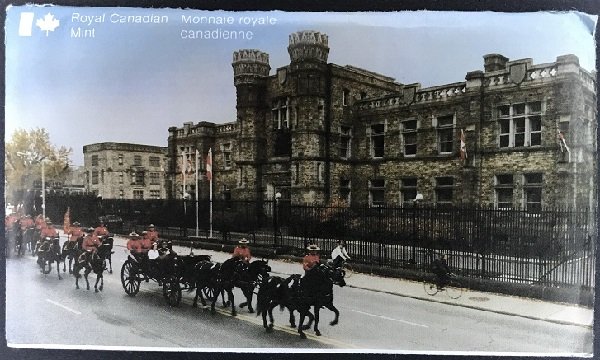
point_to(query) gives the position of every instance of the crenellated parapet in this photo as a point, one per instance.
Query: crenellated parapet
(250, 64)
(308, 45)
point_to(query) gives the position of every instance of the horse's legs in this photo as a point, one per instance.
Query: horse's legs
(85, 274)
(300, 328)
(58, 268)
(292, 317)
(335, 311)
(77, 276)
(98, 279)
(232, 299)
(317, 309)
(110, 263)
(214, 300)
(248, 292)
(311, 318)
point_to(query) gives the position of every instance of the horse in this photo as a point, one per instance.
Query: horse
(283, 292)
(108, 240)
(71, 249)
(92, 262)
(208, 279)
(252, 276)
(48, 251)
(299, 294)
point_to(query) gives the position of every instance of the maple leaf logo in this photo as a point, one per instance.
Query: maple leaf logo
(48, 23)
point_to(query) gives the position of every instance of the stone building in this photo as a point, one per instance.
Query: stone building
(314, 131)
(125, 171)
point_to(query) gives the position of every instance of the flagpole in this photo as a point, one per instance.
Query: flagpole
(210, 190)
(197, 221)
(184, 169)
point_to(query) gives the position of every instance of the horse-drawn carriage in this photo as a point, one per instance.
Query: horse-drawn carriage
(173, 272)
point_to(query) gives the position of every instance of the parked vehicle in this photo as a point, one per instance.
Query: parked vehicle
(114, 223)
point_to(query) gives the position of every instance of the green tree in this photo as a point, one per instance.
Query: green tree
(23, 157)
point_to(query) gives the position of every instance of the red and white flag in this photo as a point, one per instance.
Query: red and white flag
(463, 145)
(209, 165)
(562, 142)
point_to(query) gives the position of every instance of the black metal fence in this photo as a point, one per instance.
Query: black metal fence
(552, 247)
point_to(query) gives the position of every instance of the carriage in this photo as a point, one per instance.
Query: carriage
(173, 272)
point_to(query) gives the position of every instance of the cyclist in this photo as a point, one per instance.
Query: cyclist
(339, 255)
(442, 271)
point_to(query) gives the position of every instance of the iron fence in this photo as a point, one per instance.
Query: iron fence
(551, 247)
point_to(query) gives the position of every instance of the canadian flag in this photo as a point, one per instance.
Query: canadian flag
(463, 145)
(209, 165)
(562, 142)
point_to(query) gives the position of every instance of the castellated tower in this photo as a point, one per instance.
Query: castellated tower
(251, 70)
(310, 77)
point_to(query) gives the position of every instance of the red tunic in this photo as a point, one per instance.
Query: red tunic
(152, 236)
(91, 243)
(242, 253)
(101, 231)
(310, 261)
(40, 223)
(27, 223)
(135, 245)
(48, 232)
(75, 233)
(146, 244)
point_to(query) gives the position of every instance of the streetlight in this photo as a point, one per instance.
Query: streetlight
(276, 197)
(418, 197)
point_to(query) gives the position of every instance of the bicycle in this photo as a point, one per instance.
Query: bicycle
(348, 269)
(452, 289)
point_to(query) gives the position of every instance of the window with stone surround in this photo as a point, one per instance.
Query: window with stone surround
(532, 191)
(520, 125)
(154, 161)
(445, 134)
(137, 160)
(226, 149)
(504, 188)
(345, 141)
(345, 97)
(154, 178)
(377, 192)
(138, 194)
(444, 190)
(409, 137)
(280, 114)
(346, 190)
(154, 194)
(95, 177)
(94, 160)
(377, 137)
(408, 190)
(138, 178)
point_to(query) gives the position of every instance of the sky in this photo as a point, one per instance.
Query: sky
(130, 82)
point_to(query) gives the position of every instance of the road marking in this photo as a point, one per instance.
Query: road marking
(64, 307)
(388, 318)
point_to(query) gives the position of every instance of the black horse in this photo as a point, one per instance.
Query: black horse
(250, 278)
(208, 282)
(108, 241)
(299, 294)
(48, 251)
(70, 250)
(92, 262)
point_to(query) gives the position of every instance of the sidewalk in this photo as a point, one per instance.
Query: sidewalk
(502, 304)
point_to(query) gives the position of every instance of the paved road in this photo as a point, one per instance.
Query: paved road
(45, 310)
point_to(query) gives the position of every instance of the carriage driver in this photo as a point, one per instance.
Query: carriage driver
(134, 244)
(101, 230)
(312, 258)
(242, 251)
(151, 234)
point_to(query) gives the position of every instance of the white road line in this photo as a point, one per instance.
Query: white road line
(388, 318)
(64, 307)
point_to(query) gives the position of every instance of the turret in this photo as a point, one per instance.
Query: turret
(308, 45)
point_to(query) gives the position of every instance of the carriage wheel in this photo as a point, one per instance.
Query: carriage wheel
(209, 293)
(430, 287)
(172, 292)
(130, 279)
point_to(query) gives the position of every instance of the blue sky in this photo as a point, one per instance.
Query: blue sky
(130, 82)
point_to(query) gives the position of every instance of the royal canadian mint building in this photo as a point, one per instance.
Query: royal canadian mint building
(515, 134)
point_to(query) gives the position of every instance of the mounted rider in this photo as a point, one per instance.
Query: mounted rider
(48, 230)
(27, 228)
(101, 230)
(242, 251)
(75, 233)
(311, 259)
(89, 246)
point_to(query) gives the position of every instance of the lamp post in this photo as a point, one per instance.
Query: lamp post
(418, 197)
(276, 198)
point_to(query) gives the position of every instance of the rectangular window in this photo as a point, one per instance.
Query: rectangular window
(227, 162)
(377, 140)
(345, 190)
(409, 137)
(520, 125)
(154, 178)
(408, 190)
(345, 141)
(95, 177)
(154, 161)
(504, 191)
(138, 178)
(280, 114)
(94, 160)
(320, 172)
(345, 97)
(120, 159)
(445, 129)
(138, 194)
(377, 192)
(121, 175)
(444, 190)
(137, 160)
(154, 194)
(532, 191)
